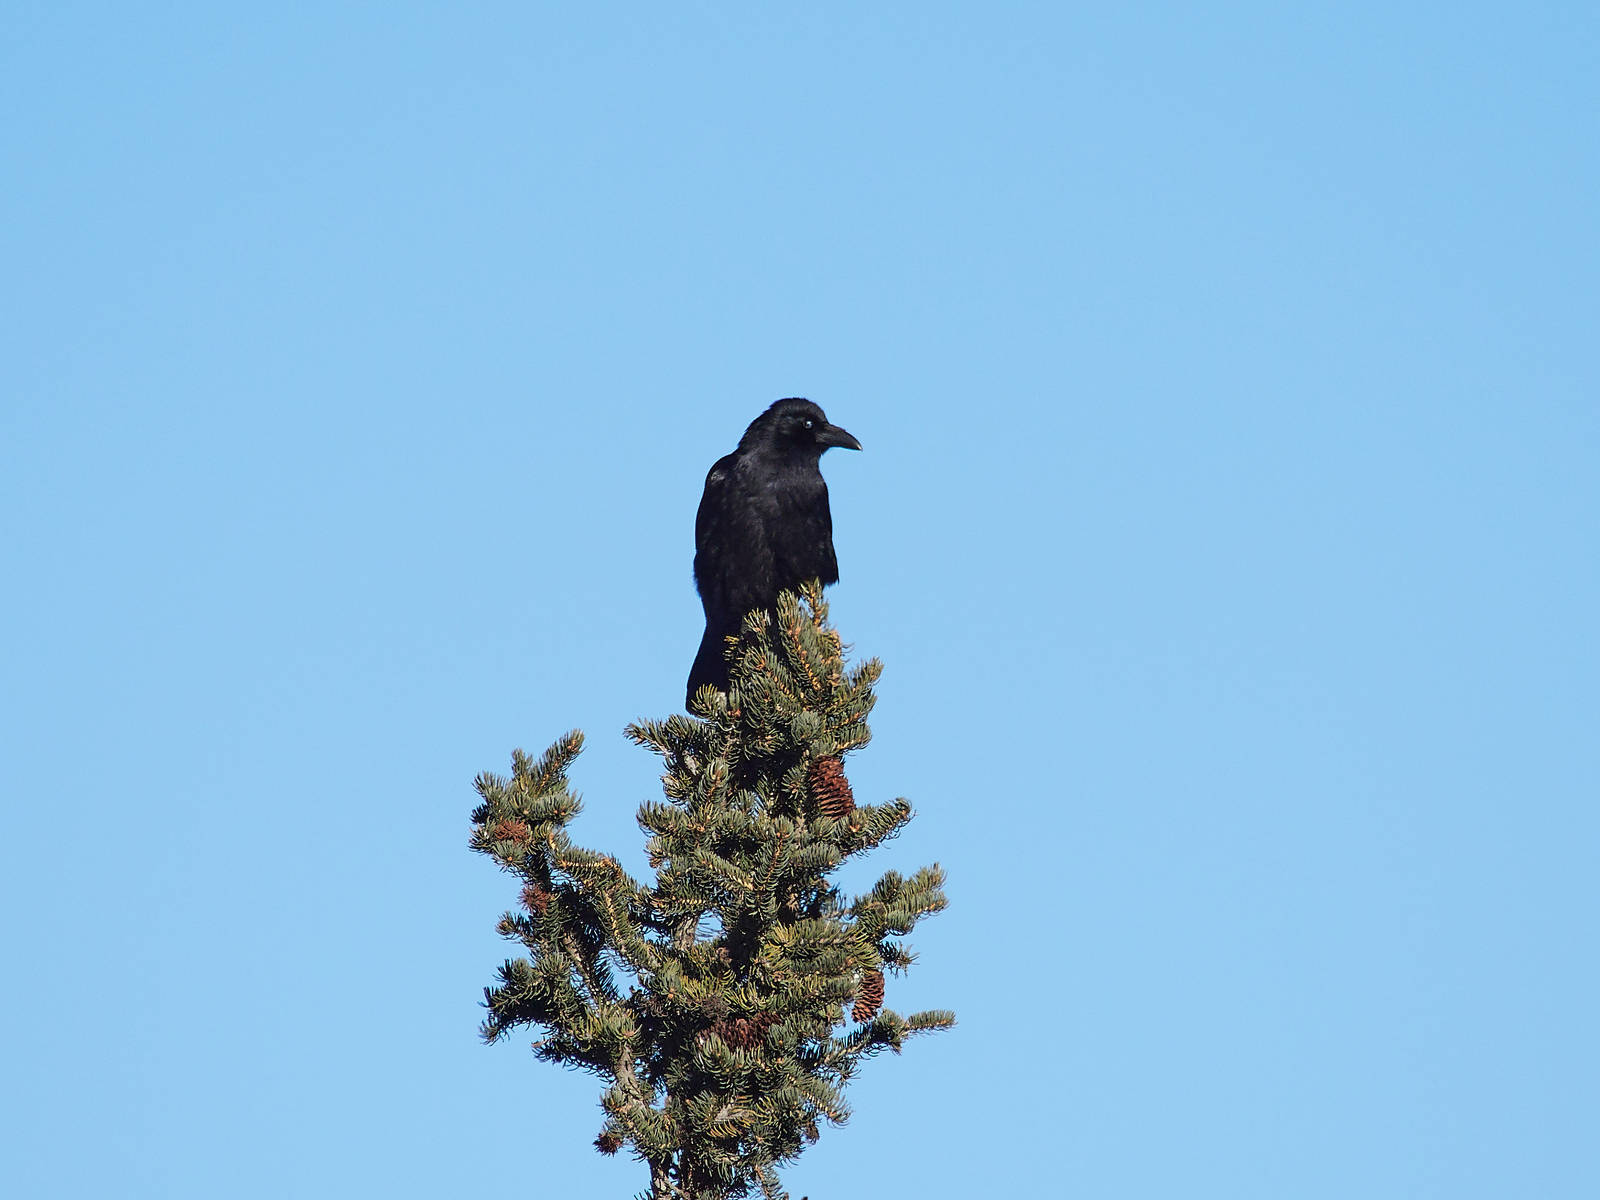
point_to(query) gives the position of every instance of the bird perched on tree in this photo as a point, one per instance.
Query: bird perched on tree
(763, 525)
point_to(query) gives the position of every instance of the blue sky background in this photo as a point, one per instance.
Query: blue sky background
(1227, 523)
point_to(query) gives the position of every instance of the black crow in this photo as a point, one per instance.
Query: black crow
(763, 525)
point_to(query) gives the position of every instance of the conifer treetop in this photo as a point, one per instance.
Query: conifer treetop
(727, 1003)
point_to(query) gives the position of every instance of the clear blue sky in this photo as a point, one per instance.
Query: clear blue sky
(1228, 524)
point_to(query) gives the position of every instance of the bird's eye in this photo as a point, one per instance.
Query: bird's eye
(810, 424)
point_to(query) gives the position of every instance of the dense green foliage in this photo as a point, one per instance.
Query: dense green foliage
(729, 1002)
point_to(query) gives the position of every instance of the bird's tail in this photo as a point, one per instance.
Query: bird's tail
(709, 666)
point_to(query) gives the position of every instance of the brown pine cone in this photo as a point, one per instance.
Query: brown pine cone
(869, 997)
(511, 829)
(745, 1033)
(830, 788)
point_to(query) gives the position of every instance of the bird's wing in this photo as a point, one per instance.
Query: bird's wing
(733, 565)
(713, 507)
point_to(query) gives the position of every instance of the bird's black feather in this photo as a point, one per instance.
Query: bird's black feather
(763, 525)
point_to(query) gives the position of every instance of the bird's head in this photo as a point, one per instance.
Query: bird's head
(795, 427)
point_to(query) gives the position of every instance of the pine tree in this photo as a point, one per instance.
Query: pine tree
(727, 1004)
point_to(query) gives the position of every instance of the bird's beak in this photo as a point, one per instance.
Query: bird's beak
(832, 435)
